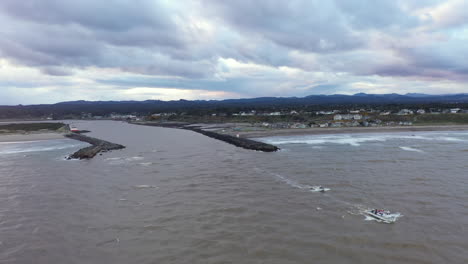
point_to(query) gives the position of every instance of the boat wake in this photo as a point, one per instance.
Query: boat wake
(311, 188)
(353, 209)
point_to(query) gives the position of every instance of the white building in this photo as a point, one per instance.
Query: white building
(338, 117)
(405, 112)
(347, 117)
(357, 117)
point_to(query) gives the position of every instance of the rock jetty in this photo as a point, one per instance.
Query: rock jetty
(239, 142)
(98, 145)
(236, 141)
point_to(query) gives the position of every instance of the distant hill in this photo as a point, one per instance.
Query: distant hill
(317, 102)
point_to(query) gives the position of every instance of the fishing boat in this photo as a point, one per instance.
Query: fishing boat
(319, 189)
(382, 215)
(74, 129)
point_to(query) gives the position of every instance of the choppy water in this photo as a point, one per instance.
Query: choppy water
(174, 196)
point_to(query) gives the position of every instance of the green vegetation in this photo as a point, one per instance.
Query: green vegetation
(441, 119)
(207, 119)
(30, 127)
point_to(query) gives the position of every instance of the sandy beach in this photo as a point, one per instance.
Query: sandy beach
(29, 137)
(347, 130)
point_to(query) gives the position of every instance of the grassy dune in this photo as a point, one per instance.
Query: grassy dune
(31, 127)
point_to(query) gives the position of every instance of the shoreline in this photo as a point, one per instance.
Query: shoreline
(347, 130)
(13, 137)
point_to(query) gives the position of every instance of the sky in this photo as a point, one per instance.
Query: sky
(64, 50)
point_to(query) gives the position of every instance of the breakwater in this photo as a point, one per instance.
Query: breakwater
(97, 146)
(236, 141)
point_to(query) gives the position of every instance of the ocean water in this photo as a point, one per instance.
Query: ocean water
(174, 196)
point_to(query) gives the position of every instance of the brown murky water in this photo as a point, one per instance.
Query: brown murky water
(174, 196)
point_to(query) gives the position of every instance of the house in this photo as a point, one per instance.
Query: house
(455, 110)
(357, 117)
(338, 117)
(275, 113)
(421, 111)
(323, 125)
(405, 123)
(347, 117)
(405, 112)
(336, 124)
(385, 113)
(353, 124)
(298, 125)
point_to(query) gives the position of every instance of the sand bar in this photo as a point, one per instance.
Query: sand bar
(30, 137)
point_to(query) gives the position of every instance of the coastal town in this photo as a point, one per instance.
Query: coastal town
(300, 119)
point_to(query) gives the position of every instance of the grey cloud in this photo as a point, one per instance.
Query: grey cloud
(83, 33)
(158, 38)
(56, 71)
(366, 14)
(439, 60)
(315, 26)
(109, 15)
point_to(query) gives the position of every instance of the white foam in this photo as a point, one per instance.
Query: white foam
(355, 139)
(144, 186)
(450, 139)
(412, 149)
(19, 142)
(35, 149)
(134, 158)
(113, 158)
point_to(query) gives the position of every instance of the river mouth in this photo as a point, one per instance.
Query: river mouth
(175, 196)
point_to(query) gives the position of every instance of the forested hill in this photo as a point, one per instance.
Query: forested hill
(313, 102)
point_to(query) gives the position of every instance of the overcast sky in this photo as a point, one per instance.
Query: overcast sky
(62, 50)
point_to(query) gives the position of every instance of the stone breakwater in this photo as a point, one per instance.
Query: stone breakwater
(236, 141)
(98, 146)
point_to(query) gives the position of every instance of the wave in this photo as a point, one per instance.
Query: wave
(16, 150)
(146, 164)
(144, 186)
(355, 140)
(19, 142)
(412, 149)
